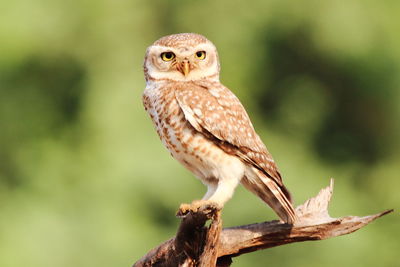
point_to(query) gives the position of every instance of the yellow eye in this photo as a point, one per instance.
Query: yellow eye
(200, 54)
(167, 56)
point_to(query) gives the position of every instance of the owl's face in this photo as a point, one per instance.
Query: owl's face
(181, 57)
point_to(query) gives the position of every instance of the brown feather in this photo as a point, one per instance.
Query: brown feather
(220, 114)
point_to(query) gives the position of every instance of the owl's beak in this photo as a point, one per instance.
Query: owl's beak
(185, 67)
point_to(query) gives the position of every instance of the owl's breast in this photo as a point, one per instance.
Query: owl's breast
(191, 148)
(166, 115)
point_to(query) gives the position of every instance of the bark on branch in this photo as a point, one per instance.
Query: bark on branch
(198, 245)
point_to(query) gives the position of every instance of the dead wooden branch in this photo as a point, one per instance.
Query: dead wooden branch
(198, 245)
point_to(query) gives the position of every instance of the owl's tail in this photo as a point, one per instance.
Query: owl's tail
(276, 196)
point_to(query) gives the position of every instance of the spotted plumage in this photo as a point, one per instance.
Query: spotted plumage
(204, 125)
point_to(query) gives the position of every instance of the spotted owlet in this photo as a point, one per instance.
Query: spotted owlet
(204, 125)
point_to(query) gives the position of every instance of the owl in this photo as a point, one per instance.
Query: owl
(205, 127)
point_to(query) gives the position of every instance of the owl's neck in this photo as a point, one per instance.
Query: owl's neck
(213, 78)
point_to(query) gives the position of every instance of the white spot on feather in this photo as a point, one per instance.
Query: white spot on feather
(197, 112)
(214, 93)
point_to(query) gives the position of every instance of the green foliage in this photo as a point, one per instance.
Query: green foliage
(84, 180)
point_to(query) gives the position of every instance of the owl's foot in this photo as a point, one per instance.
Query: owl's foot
(198, 206)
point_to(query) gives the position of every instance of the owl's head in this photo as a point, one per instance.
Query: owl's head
(181, 57)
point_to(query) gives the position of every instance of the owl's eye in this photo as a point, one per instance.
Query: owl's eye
(167, 56)
(200, 54)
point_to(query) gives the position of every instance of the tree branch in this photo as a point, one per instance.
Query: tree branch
(198, 245)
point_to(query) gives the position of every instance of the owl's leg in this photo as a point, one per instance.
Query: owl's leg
(201, 204)
(211, 188)
(222, 192)
(215, 198)
(220, 187)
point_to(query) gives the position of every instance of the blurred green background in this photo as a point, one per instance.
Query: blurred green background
(84, 179)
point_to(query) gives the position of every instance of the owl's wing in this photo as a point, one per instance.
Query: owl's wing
(215, 111)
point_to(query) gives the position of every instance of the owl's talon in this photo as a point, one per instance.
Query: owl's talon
(183, 210)
(208, 207)
(198, 206)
